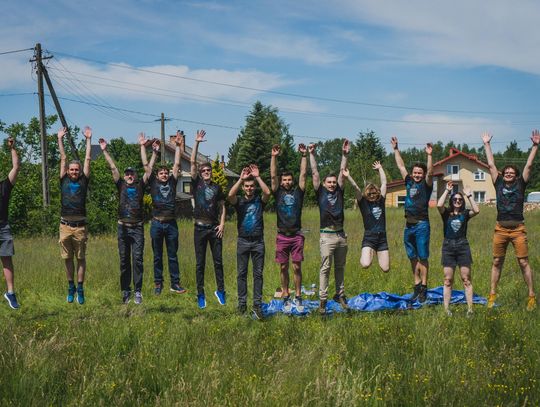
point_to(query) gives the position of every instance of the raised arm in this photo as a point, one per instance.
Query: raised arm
(429, 175)
(15, 162)
(357, 190)
(231, 197)
(63, 161)
(179, 149)
(88, 154)
(486, 138)
(199, 138)
(442, 199)
(397, 155)
(144, 158)
(264, 188)
(382, 175)
(475, 210)
(110, 161)
(535, 138)
(345, 150)
(313, 164)
(303, 167)
(155, 149)
(274, 178)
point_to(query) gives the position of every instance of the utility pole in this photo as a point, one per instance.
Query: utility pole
(163, 120)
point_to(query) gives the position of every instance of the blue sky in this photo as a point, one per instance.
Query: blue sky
(420, 70)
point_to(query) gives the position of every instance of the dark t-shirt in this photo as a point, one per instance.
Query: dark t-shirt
(373, 214)
(250, 216)
(5, 192)
(455, 226)
(130, 209)
(417, 200)
(207, 197)
(163, 196)
(510, 199)
(289, 209)
(330, 207)
(73, 196)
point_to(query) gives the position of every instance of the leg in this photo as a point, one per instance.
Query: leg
(527, 274)
(242, 259)
(284, 277)
(496, 269)
(467, 285)
(422, 267)
(216, 247)
(81, 270)
(422, 243)
(340, 259)
(124, 251)
(7, 263)
(297, 268)
(416, 271)
(327, 256)
(409, 241)
(137, 234)
(501, 238)
(384, 260)
(519, 241)
(201, 240)
(171, 241)
(366, 256)
(70, 269)
(157, 235)
(257, 256)
(448, 282)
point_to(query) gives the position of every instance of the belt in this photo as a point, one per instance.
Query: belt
(331, 231)
(73, 224)
(130, 225)
(162, 220)
(204, 225)
(288, 233)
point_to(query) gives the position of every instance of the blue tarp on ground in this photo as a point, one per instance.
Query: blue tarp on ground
(373, 302)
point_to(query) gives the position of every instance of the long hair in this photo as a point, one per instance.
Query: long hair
(451, 203)
(371, 188)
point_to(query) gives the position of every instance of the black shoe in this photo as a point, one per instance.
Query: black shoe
(422, 296)
(342, 301)
(416, 293)
(257, 313)
(242, 309)
(322, 307)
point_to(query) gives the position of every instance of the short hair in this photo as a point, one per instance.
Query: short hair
(162, 167)
(512, 167)
(420, 165)
(250, 178)
(205, 165)
(286, 174)
(75, 162)
(330, 175)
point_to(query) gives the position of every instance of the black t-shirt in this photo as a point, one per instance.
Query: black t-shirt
(289, 209)
(373, 214)
(330, 207)
(417, 200)
(250, 216)
(455, 226)
(130, 209)
(73, 196)
(163, 196)
(207, 197)
(510, 199)
(5, 192)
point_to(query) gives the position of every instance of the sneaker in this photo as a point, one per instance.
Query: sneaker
(531, 303)
(80, 295)
(201, 301)
(220, 295)
(422, 296)
(287, 305)
(416, 292)
(138, 298)
(242, 309)
(342, 301)
(158, 287)
(71, 294)
(298, 304)
(175, 288)
(126, 297)
(491, 300)
(322, 307)
(12, 300)
(257, 313)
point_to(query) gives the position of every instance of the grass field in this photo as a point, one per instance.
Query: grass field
(168, 352)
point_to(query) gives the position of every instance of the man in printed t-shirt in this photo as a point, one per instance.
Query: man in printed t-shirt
(163, 227)
(510, 226)
(73, 229)
(209, 218)
(419, 186)
(290, 240)
(250, 223)
(130, 226)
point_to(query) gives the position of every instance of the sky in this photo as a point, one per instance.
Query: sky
(421, 70)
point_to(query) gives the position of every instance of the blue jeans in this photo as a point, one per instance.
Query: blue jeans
(168, 231)
(416, 240)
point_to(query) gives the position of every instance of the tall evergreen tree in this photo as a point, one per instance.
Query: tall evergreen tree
(218, 174)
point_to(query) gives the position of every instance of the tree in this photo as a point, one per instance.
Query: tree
(365, 150)
(218, 174)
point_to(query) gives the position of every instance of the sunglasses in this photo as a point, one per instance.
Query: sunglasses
(457, 199)
(206, 170)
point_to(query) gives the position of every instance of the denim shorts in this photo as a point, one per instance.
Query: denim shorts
(6, 241)
(456, 252)
(375, 240)
(416, 240)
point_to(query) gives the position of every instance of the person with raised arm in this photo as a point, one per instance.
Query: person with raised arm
(419, 184)
(371, 202)
(333, 240)
(130, 224)
(209, 223)
(510, 227)
(163, 227)
(456, 251)
(289, 240)
(250, 242)
(7, 250)
(73, 224)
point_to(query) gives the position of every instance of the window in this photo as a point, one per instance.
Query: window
(453, 171)
(401, 200)
(479, 175)
(186, 187)
(480, 196)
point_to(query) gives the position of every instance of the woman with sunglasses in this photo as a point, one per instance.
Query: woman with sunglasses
(455, 249)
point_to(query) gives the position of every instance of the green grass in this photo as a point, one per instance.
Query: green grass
(169, 352)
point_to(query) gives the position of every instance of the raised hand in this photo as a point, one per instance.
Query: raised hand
(155, 145)
(276, 149)
(102, 144)
(87, 132)
(535, 137)
(311, 148)
(11, 142)
(200, 136)
(61, 133)
(346, 149)
(345, 172)
(467, 191)
(254, 170)
(246, 172)
(302, 148)
(429, 148)
(377, 165)
(394, 142)
(179, 139)
(142, 139)
(486, 137)
(449, 186)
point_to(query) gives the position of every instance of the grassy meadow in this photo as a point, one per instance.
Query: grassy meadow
(168, 352)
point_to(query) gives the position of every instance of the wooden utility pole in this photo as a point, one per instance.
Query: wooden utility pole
(42, 128)
(162, 139)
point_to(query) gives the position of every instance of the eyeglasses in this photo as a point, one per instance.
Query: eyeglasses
(457, 199)
(206, 170)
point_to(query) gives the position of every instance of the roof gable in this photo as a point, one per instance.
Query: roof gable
(455, 153)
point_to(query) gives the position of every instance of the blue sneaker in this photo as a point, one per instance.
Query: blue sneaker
(175, 288)
(71, 294)
(80, 295)
(201, 301)
(12, 300)
(220, 295)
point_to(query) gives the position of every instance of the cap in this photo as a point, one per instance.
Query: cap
(129, 169)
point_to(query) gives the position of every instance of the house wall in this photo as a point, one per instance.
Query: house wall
(392, 195)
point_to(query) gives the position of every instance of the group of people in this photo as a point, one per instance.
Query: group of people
(209, 223)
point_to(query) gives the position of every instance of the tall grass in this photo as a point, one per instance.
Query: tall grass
(169, 352)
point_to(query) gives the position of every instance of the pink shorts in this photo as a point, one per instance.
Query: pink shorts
(289, 245)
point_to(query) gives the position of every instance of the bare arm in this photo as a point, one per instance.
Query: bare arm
(231, 197)
(221, 227)
(144, 158)
(486, 138)
(264, 188)
(110, 161)
(88, 154)
(429, 175)
(303, 167)
(148, 169)
(475, 210)
(63, 168)
(15, 162)
(535, 138)
(313, 164)
(274, 181)
(382, 175)
(357, 190)
(344, 158)
(179, 142)
(199, 138)
(399, 160)
(442, 199)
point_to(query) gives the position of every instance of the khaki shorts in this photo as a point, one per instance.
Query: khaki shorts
(517, 236)
(73, 241)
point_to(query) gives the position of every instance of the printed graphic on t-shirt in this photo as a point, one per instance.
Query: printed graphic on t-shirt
(377, 212)
(455, 224)
(250, 219)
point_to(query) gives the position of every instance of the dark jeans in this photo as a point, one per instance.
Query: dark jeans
(202, 236)
(167, 231)
(131, 249)
(247, 247)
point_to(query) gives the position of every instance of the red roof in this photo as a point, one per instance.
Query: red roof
(454, 152)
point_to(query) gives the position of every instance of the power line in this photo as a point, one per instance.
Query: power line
(16, 50)
(17, 94)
